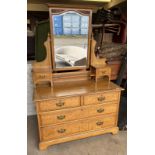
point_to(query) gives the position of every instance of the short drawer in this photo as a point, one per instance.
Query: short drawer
(102, 109)
(101, 98)
(61, 116)
(56, 104)
(59, 131)
(41, 76)
(102, 122)
(103, 71)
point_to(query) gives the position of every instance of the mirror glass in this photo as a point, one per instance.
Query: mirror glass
(70, 36)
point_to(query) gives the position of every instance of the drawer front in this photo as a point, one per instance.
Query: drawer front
(94, 123)
(61, 116)
(41, 76)
(101, 98)
(102, 122)
(58, 104)
(102, 109)
(60, 131)
(104, 71)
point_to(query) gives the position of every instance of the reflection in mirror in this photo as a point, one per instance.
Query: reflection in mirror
(70, 34)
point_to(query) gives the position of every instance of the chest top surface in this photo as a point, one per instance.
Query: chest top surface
(45, 92)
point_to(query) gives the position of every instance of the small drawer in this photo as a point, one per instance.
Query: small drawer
(58, 131)
(41, 76)
(101, 98)
(103, 71)
(102, 122)
(102, 109)
(61, 116)
(58, 104)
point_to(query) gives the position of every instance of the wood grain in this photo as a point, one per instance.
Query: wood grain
(61, 116)
(101, 98)
(44, 144)
(67, 129)
(45, 92)
(56, 104)
(74, 106)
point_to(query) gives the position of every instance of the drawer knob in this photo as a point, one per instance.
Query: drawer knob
(100, 110)
(61, 117)
(61, 130)
(101, 99)
(60, 104)
(103, 72)
(99, 123)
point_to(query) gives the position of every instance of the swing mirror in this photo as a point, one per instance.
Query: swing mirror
(70, 39)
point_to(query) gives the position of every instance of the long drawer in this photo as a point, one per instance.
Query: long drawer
(100, 98)
(94, 123)
(60, 131)
(60, 116)
(55, 104)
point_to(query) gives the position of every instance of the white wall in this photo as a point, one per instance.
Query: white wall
(30, 103)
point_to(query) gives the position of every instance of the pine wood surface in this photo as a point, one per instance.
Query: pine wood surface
(45, 92)
(74, 106)
(44, 144)
(61, 116)
(96, 123)
(76, 110)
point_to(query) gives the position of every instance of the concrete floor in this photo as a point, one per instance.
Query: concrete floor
(107, 144)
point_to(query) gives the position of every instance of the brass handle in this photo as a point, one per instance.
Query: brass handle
(61, 130)
(101, 99)
(100, 110)
(99, 123)
(60, 104)
(61, 117)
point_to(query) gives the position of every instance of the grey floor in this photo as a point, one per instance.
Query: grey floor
(99, 145)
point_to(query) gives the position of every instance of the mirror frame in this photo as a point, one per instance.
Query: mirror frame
(57, 11)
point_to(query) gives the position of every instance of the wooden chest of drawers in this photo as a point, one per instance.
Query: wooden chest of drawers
(76, 111)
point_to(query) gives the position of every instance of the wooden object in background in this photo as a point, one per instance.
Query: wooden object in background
(115, 68)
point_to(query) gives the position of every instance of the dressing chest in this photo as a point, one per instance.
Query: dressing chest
(70, 104)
